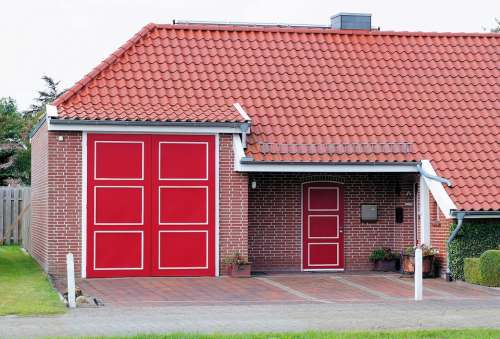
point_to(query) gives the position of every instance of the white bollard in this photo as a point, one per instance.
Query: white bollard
(70, 273)
(418, 274)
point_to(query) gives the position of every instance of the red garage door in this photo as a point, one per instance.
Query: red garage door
(150, 205)
(322, 220)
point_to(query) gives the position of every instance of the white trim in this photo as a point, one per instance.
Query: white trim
(425, 219)
(336, 216)
(84, 206)
(309, 209)
(323, 270)
(189, 143)
(118, 142)
(116, 223)
(238, 152)
(184, 223)
(217, 168)
(438, 192)
(183, 267)
(120, 268)
(242, 112)
(51, 110)
(337, 245)
(104, 128)
(326, 168)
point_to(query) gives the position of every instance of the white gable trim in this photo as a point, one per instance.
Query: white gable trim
(446, 205)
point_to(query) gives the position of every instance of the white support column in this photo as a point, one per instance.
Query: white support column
(70, 272)
(425, 219)
(418, 274)
(425, 236)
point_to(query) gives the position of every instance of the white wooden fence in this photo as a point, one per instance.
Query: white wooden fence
(15, 216)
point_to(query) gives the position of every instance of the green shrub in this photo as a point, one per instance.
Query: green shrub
(489, 266)
(472, 273)
(474, 238)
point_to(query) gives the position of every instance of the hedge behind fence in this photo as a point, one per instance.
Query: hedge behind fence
(472, 240)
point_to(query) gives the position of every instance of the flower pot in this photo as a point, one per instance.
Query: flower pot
(385, 265)
(409, 264)
(240, 271)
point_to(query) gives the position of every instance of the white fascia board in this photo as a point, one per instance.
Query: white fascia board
(329, 168)
(238, 151)
(51, 110)
(239, 154)
(437, 190)
(143, 129)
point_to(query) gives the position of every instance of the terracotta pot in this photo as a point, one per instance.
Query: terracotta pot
(385, 265)
(409, 264)
(240, 271)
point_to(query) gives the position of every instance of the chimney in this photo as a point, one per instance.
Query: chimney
(351, 21)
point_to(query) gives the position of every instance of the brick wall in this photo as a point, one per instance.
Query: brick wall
(274, 217)
(64, 196)
(39, 199)
(440, 232)
(233, 204)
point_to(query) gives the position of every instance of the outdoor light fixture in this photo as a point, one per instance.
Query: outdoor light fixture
(254, 184)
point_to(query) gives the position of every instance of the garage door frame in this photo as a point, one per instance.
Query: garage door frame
(169, 131)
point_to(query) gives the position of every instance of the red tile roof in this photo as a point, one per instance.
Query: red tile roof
(317, 94)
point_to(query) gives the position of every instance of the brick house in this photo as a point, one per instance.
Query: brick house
(301, 148)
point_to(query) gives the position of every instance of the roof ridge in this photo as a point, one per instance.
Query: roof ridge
(104, 64)
(304, 29)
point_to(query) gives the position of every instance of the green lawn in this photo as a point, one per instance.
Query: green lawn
(24, 288)
(418, 334)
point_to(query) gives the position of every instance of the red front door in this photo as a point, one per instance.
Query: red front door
(150, 205)
(322, 223)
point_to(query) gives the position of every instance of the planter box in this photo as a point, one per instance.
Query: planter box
(409, 264)
(385, 265)
(240, 271)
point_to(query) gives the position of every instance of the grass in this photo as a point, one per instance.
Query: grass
(411, 334)
(24, 288)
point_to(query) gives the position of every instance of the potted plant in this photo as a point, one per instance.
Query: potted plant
(383, 259)
(408, 258)
(238, 267)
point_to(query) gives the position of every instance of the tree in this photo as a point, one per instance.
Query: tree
(15, 150)
(497, 28)
(13, 147)
(51, 93)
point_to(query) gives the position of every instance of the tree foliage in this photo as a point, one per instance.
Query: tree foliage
(15, 126)
(497, 28)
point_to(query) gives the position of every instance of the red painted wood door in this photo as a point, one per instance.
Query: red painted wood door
(150, 205)
(183, 206)
(322, 226)
(118, 205)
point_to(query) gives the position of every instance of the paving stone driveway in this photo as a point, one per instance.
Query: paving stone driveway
(266, 303)
(272, 289)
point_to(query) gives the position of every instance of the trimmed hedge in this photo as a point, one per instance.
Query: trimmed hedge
(472, 274)
(489, 266)
(472, 240)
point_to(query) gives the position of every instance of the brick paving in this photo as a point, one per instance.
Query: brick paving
(268, 289)
(294, 302)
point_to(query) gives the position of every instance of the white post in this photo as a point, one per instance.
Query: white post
(425, 219)
(425, 236)
(70, 273)
(418, 274)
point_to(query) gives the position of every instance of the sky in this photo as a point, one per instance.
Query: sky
(65, 39)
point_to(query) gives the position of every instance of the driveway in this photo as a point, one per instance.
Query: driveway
(267, 303)
(275, 289)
